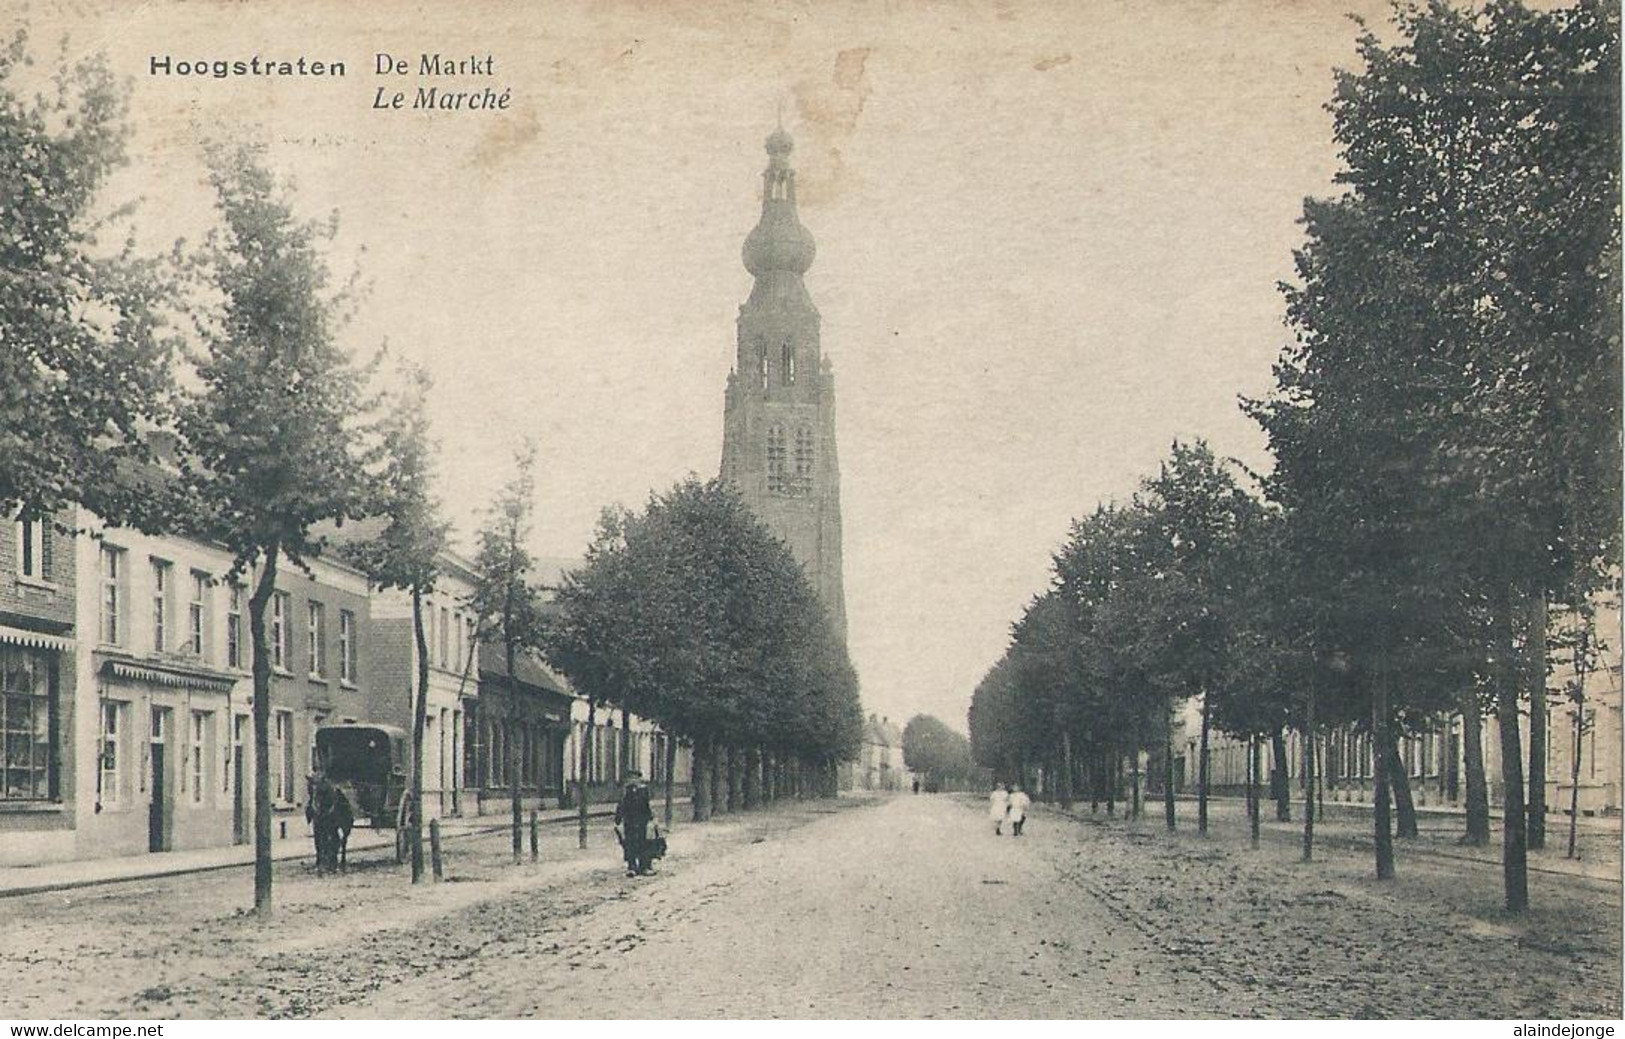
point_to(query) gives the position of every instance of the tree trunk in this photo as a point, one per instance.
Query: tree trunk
(1095, 771)
(1472, 753)
(1380, 771)
(1535, 652)
(1136, 804)
(625, 756)
(1319, 783)
(713, 760)
(699, 781)
(1168, 771)
(1309, 768)
(1201, 771)
(1066, 770)
(1280, 782)
(1514, 836)
(263, 807)
(1404, 805)
(734, 768)
(750, 790)
(1113, 771)
(584, 766)
(1255, 809)
(1574, 770)
(420, 714)
(671, 768)
(508, 759)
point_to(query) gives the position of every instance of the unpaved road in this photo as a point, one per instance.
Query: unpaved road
(908, 907)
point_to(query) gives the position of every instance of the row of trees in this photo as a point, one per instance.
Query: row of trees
(1445, 432)
(691, 613)
(228, 352)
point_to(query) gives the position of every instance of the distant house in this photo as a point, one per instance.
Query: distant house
(880, 758)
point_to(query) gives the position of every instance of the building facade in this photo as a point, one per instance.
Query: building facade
(42, 765)
(880, 757)
(778, 443)
(391, 655)
(165, 694)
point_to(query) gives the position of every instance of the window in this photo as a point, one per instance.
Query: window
(112, 568)
(317, 636)
(775, 459)
(787, 365)
(25, 725)
(200, 736)
(196, 610)
(282, 755)
(112, 738)
(234, 627)
(281, 644)
(34, 549)
(160, 604)
(804, 462)
(761, 362)
(457, 640)
(445, 638)
(346, 646)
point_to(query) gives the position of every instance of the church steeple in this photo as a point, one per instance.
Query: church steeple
(778, 444)
(779, 244)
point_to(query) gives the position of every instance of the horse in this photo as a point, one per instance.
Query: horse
(331, 819)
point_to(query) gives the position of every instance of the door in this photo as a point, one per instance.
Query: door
(159, 810)
(239, 806)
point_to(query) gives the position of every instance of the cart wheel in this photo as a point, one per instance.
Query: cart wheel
(403, 828)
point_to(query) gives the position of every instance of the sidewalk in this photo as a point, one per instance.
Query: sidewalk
(62, 876)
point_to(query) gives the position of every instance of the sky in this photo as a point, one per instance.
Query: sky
(1049, 237)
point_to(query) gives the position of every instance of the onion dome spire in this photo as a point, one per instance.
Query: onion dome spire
(779, 242)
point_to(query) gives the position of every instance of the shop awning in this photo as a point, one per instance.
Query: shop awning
(35, 639)
(176, 676)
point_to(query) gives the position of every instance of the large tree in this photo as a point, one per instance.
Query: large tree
(1456, 380)
(691, 613)
(85, 371)
(270, 433)
(405, 552)
(507, 603)
(934, 751)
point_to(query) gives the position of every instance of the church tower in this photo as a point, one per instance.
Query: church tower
(778, 424)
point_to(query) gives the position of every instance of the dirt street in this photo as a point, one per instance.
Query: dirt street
(907, 907)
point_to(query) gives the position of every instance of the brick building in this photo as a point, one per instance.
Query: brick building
(40, 769)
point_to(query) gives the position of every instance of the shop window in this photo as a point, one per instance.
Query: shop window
(25, 725)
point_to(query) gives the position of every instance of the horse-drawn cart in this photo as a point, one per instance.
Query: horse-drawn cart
(371, 767)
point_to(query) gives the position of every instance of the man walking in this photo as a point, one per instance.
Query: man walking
(633, 815)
